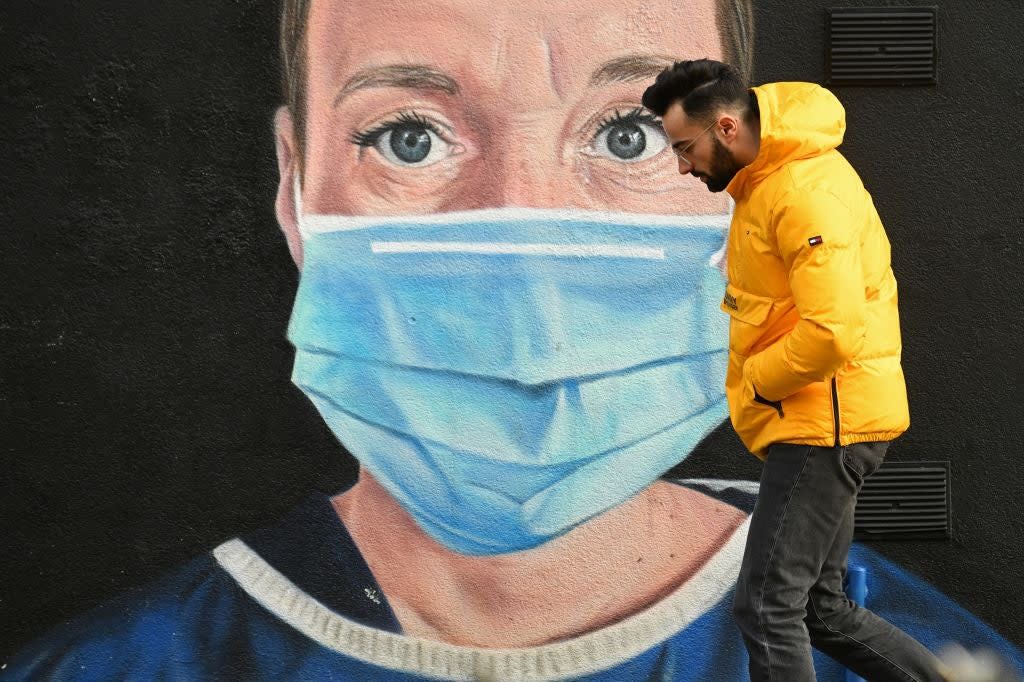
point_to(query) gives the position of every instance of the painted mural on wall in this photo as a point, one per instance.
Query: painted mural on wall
(508, 312)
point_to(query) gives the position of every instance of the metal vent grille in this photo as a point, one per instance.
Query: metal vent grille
(904, 500)
(883, 46)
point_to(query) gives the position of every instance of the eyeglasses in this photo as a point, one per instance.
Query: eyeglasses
(680, 152)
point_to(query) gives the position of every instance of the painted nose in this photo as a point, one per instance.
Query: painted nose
(532, 176)
(526, 187)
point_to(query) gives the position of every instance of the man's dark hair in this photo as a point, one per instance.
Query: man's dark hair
(703, 87)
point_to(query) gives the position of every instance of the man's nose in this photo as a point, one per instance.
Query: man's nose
(685, 167)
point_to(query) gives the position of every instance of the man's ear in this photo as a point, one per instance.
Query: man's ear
(730, 126)
(288, 170)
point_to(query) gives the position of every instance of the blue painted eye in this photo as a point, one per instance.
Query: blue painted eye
(410, 142)
(631, 137)
(626, 141)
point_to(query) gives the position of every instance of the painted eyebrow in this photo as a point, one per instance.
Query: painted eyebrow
(414, 76)
(632, 67)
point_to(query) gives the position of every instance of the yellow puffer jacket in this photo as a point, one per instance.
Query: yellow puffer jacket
(814, 340)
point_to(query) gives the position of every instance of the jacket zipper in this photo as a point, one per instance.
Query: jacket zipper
(835, 410)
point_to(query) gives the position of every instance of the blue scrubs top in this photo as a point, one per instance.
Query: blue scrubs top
(296, 601)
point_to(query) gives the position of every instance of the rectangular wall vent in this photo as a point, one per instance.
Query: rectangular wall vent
(905, 501)
(883, 46)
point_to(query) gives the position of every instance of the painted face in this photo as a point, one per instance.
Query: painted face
(452, 105)
(447, 105)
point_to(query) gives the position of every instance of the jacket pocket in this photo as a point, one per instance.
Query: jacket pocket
(774, 404)
(749, 313)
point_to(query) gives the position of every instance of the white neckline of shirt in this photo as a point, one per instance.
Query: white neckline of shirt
(583, 655)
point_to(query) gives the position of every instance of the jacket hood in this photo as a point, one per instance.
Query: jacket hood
(798, 121)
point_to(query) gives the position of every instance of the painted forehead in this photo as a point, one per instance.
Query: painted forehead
(575, 44)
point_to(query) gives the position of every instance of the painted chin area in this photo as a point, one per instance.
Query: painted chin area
(148, 413)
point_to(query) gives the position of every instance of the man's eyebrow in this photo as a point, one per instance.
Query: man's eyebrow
(632, 67)
(415, 76)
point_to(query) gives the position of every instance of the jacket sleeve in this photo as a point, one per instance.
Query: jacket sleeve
(818, 240)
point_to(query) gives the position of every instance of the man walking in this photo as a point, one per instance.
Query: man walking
(814, 384)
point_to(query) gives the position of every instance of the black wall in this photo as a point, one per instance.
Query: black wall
(945, 165)
(145, 408)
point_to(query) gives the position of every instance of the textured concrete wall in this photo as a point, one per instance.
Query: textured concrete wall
(145, 409)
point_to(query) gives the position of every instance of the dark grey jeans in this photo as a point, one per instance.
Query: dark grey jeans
(789, 596)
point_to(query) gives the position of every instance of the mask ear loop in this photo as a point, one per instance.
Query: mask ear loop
(297, 196)
(301, 220)
(718, 258)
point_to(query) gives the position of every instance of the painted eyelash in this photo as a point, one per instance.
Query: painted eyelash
(637, 115)
(368, 138)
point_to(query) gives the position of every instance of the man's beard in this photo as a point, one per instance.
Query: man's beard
(724, 166)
